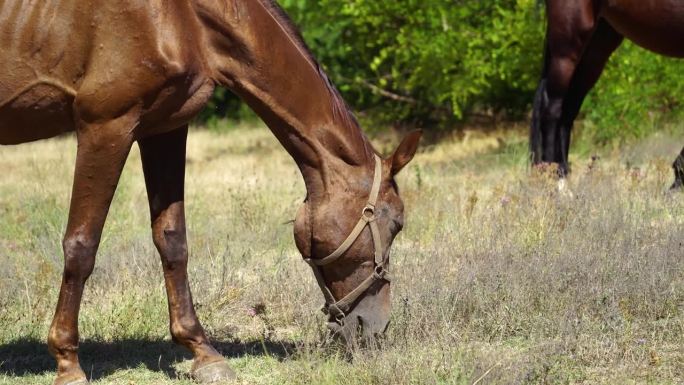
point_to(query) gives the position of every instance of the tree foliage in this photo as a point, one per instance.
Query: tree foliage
(428, 61)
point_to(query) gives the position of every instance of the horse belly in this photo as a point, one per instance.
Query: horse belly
(41, 112)
(657, 25)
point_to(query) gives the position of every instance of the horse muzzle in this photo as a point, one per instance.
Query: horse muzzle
(367, 321)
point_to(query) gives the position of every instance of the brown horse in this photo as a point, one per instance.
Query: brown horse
(580, 38)
(138, 71)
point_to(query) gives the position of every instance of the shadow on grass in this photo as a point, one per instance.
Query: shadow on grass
(101, 359)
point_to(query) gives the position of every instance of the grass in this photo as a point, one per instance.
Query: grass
(499, 278)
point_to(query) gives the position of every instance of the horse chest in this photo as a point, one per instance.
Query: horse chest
(175, 105)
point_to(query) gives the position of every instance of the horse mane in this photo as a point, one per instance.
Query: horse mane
(341, 111)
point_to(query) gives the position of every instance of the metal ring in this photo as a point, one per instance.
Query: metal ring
(369, 209)
(339, 318)
(379, 272)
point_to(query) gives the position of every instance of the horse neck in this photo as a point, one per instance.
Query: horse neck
(253, 50)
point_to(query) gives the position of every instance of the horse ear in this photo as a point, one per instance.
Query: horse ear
(405, 151)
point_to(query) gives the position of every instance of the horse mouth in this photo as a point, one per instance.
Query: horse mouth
(359, 334)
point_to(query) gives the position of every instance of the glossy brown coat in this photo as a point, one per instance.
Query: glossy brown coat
(581, 36)
(130, 71)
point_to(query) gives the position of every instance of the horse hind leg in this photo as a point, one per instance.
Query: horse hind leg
(163, 159)
(102, 153)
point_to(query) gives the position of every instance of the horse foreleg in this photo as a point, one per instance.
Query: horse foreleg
(569, 30)
(678, 167)
(163, 159)
(604, 41)
(102, 153)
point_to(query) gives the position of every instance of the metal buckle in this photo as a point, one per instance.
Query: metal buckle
(368, 213)
(333, 310)
(340, 319)
(379, 272)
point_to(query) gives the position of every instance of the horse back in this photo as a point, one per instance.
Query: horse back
(69, 60)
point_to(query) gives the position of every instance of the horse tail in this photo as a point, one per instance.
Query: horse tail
(540, 100)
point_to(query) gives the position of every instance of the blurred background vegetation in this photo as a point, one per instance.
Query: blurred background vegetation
(443, 65)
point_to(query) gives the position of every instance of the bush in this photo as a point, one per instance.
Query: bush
(429, 62)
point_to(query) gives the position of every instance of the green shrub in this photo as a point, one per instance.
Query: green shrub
(636, 93)
(427, 62)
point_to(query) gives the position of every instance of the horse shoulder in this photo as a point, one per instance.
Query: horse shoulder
(141, 57)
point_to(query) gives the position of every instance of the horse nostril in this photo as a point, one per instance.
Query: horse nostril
(361, 325)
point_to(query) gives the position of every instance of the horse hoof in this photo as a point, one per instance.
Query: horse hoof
(564, 190)
(71, 379)
(214, 372)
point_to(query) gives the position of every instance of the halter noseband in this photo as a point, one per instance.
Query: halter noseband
(340, 309)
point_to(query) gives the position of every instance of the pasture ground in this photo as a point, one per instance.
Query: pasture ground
(499, 278)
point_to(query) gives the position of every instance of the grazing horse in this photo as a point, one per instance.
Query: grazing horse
(580, 38)
(119, 72)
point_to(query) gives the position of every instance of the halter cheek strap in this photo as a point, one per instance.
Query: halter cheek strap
(340, 308)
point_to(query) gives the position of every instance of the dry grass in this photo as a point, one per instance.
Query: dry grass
(500, 279)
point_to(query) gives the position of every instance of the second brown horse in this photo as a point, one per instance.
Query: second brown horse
(581, 36)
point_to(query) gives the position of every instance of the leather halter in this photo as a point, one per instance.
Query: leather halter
(340, 308)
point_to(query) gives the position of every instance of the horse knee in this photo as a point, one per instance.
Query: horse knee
(561, 71)
(186, 330)
(171, 243)
(79, 257)
(553, 109)
(61, 341)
